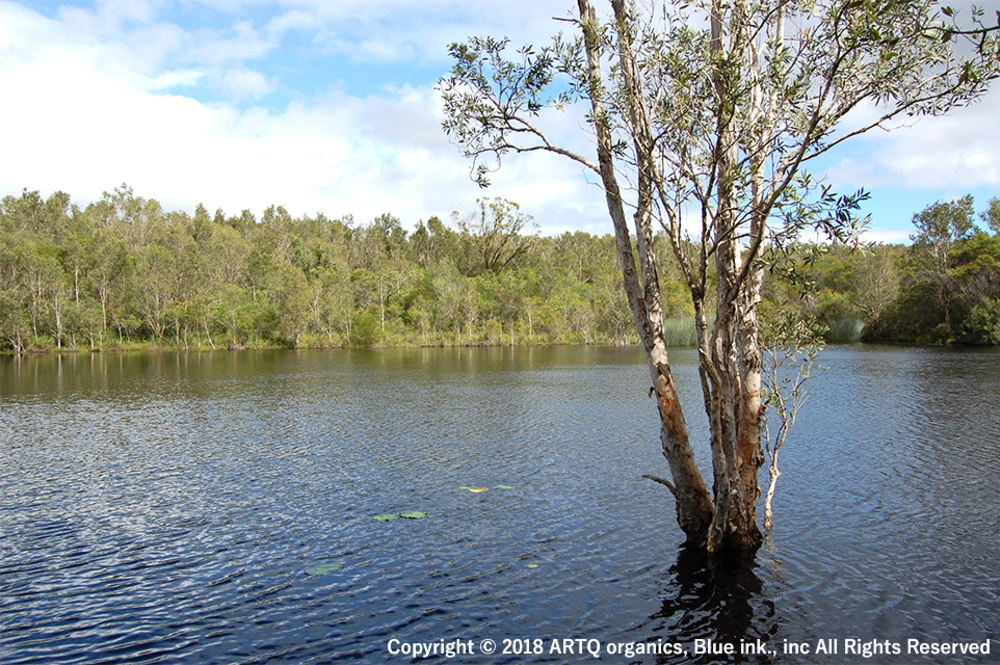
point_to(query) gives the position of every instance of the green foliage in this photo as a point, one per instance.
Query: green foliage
(365, 330)
(123, 273)
(982, 325)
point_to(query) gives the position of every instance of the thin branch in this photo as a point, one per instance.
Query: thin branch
(663, 481)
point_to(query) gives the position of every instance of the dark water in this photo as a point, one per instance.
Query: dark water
(165, 508)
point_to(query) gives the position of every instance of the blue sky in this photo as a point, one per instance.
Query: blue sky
(329, 106)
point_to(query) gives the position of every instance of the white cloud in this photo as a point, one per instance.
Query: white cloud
(107, 95)
(92, 114)
(128, 10)
(957, 151)
(177, 78)
(241, 83)
(888, 236)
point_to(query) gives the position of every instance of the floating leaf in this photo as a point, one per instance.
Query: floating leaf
(387, 517)
(532, 565)
(413, 515)
(476, 490)
(323, 569)
(504, 487)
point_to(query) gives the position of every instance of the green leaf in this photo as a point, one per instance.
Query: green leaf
(386, 517)
(316, 571)
(504, 487)
(413, 515)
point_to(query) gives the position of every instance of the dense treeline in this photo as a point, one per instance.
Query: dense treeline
(942, 289)
(124, 272)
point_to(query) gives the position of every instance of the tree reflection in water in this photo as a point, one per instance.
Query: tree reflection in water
(713, 600)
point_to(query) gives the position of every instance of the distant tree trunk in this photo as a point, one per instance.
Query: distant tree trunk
(57, 313)
(208, 334)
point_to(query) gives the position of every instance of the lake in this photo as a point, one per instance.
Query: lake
(220, 508)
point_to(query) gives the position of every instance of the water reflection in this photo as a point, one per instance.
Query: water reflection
(721, 603)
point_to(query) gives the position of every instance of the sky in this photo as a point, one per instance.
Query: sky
(330, 106)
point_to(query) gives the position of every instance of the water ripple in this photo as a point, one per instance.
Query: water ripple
(167, 511)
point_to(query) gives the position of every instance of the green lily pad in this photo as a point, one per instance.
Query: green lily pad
(504, 487)
(315, 571)
(413, 515)
(386, 517)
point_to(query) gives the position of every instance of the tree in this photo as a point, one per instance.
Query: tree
(791, 346)
(940, 225)
(992, 216)
(15, 328)
(386, 271)
(432, 243)
(292, 296)
(709, 112)
(496, 230)
(982, 326)
(875, 283)
(108, 266)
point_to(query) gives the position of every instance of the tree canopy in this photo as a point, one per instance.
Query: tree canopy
(71, 276)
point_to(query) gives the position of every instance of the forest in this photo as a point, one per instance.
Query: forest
(123, 273)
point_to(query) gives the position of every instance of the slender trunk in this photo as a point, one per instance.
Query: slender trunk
(104, 309)
(749, 451)
(752, 404)
(381, 303)
(692, 501)
(57, 311)
(773, 475)
(208, 334)
(735, 434)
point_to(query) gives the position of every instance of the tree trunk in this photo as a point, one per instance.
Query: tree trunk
(735, 390)
(692, 500)
(773, 475)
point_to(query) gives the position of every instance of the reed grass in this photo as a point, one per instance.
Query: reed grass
(845, 330)
(680, 332)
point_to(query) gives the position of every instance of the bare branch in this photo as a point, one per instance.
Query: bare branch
(663, 481)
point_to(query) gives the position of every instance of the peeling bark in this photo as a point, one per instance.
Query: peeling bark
(692, 500)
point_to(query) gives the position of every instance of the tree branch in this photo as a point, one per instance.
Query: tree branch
(663, 481)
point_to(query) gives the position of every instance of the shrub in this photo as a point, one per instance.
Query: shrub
(982, 325)
(365, 330)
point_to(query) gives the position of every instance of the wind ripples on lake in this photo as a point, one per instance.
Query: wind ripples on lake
(165, 508)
